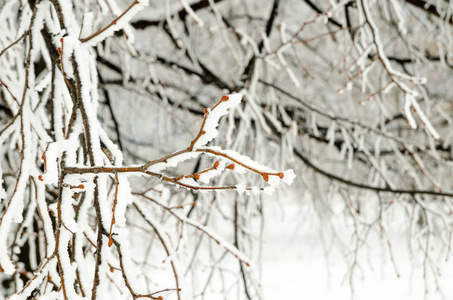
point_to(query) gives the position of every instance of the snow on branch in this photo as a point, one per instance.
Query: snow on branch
(208, 130)
(228, 160)
(397, 78)
(117, 24)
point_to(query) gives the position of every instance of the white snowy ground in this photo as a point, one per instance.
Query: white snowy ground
(295, 266)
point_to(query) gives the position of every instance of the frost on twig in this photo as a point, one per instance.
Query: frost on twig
(117, 24)
(228, 160)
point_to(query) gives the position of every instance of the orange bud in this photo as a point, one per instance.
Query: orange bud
(231, 167)
(80, 186)
(111, 269)
(49, 278)
(160, 298)
(59, 50)
(114, 22)
(225, 98)
(61, 40)
(281, 175)
(40, 178)
(52, 213)
(216, 165)
(203, 132)
(247, 264)
(197, 176)
(266, 176)
(110, 242)
(194, 204)
(43, 157)
(206, 111)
